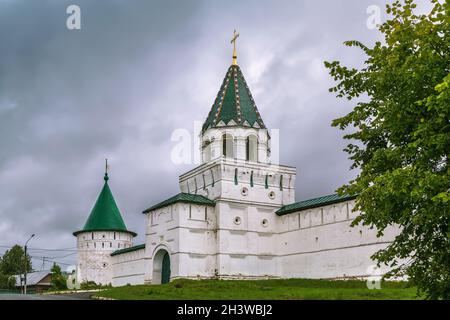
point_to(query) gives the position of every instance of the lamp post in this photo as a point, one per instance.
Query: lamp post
(26, 265)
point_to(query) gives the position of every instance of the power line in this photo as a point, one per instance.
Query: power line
(58, 262)
(53, 250)
(57, 257)
(43, 249)
(63, 249)
(49, 259)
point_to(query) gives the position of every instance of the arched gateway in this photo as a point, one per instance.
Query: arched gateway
(161, 267)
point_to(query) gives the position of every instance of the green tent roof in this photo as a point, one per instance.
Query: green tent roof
(105, 216)
(182, 197)
(313, 203)
(234, 104)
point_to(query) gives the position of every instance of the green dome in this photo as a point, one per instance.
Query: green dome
(105, 216)
(234, 104)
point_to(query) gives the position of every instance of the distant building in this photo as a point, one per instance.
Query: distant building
(36, 281)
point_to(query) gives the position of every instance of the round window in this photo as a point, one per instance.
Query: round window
(237, 220)
(244, 191)
(265, 222)
(272, 195)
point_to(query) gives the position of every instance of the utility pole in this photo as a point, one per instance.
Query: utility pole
(43, 263)
(26, 266)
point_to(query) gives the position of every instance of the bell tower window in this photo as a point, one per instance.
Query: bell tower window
(251, 149)
(227, 146)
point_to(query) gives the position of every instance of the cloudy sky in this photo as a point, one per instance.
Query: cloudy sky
(137, 71)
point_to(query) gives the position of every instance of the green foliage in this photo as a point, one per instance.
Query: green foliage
(59, 281)
(262, 290)
(401, 140)
(14, 262)
(89, 285)
(7, 281)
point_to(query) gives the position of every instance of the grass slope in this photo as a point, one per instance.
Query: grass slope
(285, 289)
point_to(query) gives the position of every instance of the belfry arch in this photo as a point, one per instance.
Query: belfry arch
(251, 148)
(228, 146)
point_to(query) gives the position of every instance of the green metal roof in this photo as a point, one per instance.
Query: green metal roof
(105, 216)
(313, 203)
(130, 249)
(234, 104)
(182, 197)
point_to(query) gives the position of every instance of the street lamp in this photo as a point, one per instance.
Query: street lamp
(26, 265)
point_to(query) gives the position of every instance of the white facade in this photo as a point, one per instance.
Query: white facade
(128, 268)
(243, 238)
(94, 254)
(237, 233)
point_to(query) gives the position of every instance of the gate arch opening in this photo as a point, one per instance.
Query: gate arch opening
(161, 267)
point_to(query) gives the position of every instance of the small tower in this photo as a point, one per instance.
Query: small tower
(103, 233)
(234, 128)
(235, 148)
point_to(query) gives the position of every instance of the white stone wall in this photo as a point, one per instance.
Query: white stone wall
(246, 231)
(320, 243)
(246, 239)
(94, 254)
(242, 237)
(162, 234)
(128, 268)
(216, 180)
(187, 232)
(314, 243)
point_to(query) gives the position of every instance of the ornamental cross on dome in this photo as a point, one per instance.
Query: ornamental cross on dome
(234, 104)
(233, 41)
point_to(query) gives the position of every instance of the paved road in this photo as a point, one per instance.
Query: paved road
(71, 296)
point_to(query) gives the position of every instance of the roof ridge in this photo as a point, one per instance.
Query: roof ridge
(129, 249)
(182, 197)
(316, 198)
(313, 203)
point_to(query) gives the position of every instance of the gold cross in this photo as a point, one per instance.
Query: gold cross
(233, 41)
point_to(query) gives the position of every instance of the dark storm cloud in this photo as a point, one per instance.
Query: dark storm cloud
(136, 71)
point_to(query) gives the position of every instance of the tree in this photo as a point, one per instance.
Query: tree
(400, 136)
(14, 262)
(58, 281)
(7, 281)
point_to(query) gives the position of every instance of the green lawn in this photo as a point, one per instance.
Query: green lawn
(285, 289)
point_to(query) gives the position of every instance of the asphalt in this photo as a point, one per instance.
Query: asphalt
(70, 296)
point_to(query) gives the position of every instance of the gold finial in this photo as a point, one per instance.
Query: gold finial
(233, 41)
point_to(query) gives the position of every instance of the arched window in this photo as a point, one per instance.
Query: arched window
(251, 148)
(227, 146)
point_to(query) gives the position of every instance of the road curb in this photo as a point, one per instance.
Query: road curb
(101, 298)
(71, 291)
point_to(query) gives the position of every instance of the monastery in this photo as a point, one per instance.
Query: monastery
(235, 216)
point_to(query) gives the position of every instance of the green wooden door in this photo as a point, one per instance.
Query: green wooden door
(165, 275)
